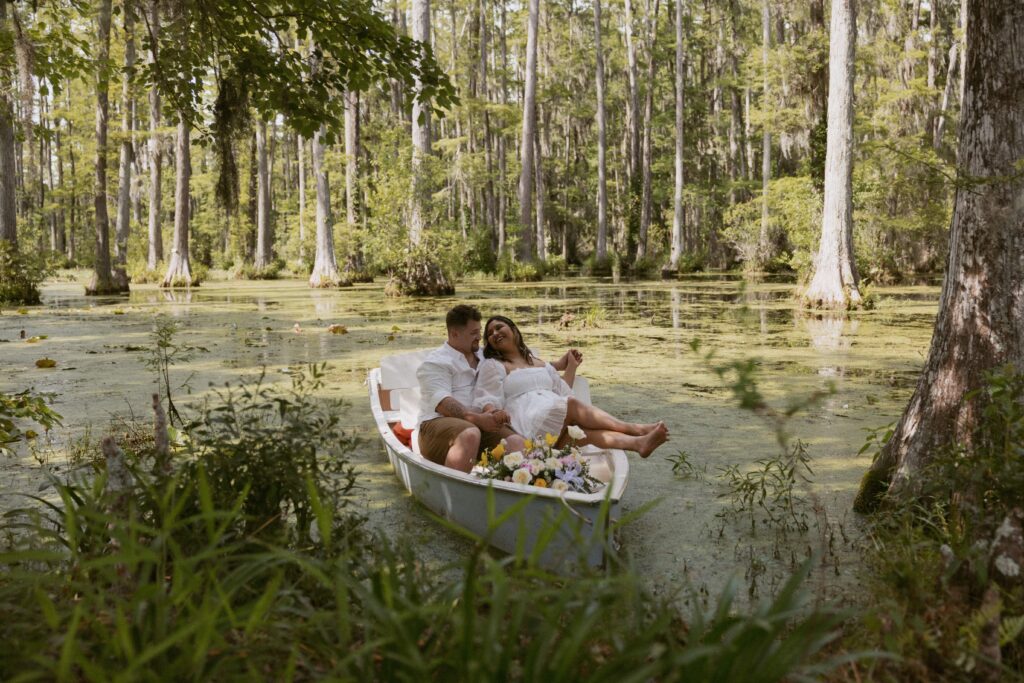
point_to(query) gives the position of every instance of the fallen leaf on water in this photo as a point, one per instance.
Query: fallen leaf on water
(337, 329)
(395, 328)
(297, 328)
(31, 434)
(391, 337)
(22, 311)
(118, 311)
(33, 340)
(46, 363)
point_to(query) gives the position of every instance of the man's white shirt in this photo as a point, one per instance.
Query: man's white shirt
(445, 372)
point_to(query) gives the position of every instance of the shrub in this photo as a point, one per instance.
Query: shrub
(141, 274)
(21, 274)
(595, 267)
(509, 270)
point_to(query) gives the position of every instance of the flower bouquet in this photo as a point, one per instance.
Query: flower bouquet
(541, 465)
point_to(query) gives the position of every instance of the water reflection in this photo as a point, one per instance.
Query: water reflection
(831, 335)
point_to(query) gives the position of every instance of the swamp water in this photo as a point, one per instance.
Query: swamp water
(635, 338)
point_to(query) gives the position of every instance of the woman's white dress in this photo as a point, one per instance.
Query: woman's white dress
(536, 399)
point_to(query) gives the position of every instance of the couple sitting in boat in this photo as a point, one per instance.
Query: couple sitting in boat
(472, 400)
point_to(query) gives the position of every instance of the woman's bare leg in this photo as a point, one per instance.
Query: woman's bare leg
(644, 445)
(586, 416)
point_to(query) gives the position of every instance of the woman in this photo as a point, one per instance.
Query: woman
(540, 402)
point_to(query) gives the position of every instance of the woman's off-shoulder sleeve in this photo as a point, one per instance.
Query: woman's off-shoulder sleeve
(489, 389)
(558, 384)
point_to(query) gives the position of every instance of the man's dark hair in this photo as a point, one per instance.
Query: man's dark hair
(461, 315)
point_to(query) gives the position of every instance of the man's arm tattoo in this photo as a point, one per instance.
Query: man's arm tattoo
(449, 407)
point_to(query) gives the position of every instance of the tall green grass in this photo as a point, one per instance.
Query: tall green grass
(190, 581)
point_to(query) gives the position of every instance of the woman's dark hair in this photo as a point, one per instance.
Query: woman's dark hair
(491, 352)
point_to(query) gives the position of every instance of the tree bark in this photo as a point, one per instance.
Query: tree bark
(300, 143)
(766, 136)
(325, 266)
(264, 255)
(542, 244)
(421, 142)
(125, 170)
(646, 202)
(526, 246)
(632, 99)
(602, 183)
(677, 199)
(179, 270)
(835, 282)
(351, 156)
(156, 241)
(980, 324)
(8, 176)
(102, 281)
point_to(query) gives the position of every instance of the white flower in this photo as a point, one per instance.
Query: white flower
(1007, 566)
(536, 467)
(513, 459)
(522, 476)
(552, 464)
(576, 433)
(559, 485)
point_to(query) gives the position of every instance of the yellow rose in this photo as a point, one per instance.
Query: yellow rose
(498, 451)
(483, 459)
(540, 483)
(550, 439)
(528, 444)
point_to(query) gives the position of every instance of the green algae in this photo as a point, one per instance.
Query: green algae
(636, 354)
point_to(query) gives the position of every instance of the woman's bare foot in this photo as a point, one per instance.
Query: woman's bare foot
(639, 429)
(650, 441)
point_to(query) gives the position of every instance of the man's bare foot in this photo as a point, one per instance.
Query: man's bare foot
(650, 441)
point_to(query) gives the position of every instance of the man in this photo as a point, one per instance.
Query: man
(451, 432)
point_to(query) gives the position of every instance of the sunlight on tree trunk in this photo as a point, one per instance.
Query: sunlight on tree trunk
(264, 255)
(179, 270)
(526, 246)
(8, 178)
(766, 137)
(677, 198)
(125, 170)
(325, 266)
(646, 200)
(156, 240)
(835, 283)
(602, 144)
(980, 324)
(421, 142)
(102, 281)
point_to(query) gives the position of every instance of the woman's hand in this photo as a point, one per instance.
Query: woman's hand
(573, 358)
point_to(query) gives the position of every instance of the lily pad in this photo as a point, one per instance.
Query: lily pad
(46, 363)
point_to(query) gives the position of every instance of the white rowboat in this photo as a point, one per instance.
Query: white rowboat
(560, 527)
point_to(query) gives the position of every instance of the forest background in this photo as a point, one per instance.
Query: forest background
(752, 122)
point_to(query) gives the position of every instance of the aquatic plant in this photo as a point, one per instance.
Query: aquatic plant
(23, 406)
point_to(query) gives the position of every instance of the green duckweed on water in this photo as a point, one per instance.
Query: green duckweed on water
(636, 339)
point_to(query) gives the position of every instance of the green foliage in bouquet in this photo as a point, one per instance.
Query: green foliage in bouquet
(540, 465)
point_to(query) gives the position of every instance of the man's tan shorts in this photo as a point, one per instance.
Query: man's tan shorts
(438, 435)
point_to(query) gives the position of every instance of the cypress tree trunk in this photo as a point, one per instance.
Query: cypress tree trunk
(179, 271)
(602, 184)
(542, 245)
(980, 325)
(351, 156)
(325, 266)
(677, 199)
(125, 170)
(646, 202)
(8, 176)
(766, 137)
(835, 282)
(264, 239)
(156, 241)
(102, 281)
(421, 142)
(526, 246)
(300, 144)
